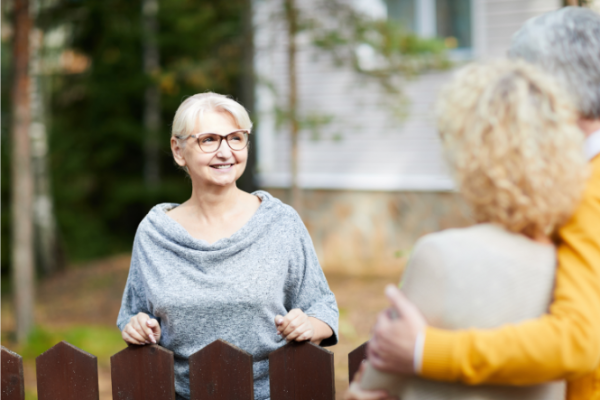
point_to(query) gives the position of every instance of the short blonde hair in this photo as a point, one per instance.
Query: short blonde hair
(192, 109)
(510, 135)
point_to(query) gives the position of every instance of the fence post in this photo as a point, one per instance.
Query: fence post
(221, 371)
(67, 373)
(355, 357)
(12, 376)
(143, 373)
(301, 371)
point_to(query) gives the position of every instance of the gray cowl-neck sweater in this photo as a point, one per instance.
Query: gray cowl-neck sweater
(231, 289)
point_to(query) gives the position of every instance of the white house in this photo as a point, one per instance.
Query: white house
(373, 182)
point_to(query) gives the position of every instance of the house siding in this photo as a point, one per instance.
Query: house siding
(367, 158)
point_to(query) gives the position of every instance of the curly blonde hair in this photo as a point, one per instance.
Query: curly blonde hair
(510, 135)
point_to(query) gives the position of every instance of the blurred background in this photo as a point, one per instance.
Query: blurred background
(341, 94)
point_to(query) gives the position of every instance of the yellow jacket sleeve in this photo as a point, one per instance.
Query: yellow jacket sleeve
(563, 344)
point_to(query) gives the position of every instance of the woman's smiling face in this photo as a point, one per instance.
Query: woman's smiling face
(221, 168)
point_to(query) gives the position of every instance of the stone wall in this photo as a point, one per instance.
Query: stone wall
(372, 233)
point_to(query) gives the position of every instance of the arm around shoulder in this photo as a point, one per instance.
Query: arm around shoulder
(563, 344)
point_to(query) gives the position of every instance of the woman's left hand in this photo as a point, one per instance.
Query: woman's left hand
(295, 326)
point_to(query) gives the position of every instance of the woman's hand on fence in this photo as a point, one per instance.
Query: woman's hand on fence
(295, 326)
(141, 329)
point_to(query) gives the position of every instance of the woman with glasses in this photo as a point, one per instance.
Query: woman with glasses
(225, 264)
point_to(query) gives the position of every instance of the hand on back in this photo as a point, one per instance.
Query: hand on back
(141, 329)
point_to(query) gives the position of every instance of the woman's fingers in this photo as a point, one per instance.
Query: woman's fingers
(307, 335)
(303, 332)
(138, 324)
(306, 331)
(134, 335)
(129, 339)
(142, 320)
(141, 329)
(296, 321)
(294, 326)
(282, 323)
(154, 328)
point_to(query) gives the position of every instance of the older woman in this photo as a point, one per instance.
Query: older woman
(225, 264)
(512, 140)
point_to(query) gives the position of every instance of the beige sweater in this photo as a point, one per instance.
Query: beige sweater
(477, 277)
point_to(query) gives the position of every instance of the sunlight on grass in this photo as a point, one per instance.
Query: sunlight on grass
(30, 394)
(100, 341)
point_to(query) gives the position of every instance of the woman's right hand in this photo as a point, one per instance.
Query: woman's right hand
(141, 329)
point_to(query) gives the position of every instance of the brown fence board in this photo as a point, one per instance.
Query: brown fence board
(355, 357)
(65, 372)
(221, 371)
(301, 371)
(143, 373)
(12, 376)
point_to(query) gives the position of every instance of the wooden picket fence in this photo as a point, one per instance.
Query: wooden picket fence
(297, 371)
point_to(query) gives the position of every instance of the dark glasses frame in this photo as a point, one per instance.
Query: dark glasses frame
(198, 136)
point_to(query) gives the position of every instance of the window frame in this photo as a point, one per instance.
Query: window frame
(426, 26)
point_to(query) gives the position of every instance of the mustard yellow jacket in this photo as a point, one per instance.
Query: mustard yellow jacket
(563, 344)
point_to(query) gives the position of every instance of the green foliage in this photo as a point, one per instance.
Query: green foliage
(100, 341)
(97, 134)
(398, 52)
(95, 126)
(340, 31)
(313, 123)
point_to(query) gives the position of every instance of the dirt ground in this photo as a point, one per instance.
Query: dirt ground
(91, 295)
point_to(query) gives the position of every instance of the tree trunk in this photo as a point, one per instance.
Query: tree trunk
(22, 185)
(246, 181)
(152, 118)
(292, 20)
(46, 243)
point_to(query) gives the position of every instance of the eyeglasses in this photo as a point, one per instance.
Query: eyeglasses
(211, 142)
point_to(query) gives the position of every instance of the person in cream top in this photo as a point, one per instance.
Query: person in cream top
(512, 141)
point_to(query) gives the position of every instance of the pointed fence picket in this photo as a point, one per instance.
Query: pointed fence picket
(144, 373)
(300, 371)
(219, 371)
(12, 376)
(67, 373)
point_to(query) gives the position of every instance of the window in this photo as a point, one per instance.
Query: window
(404, 12)
(449, 20)
(453, 22)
